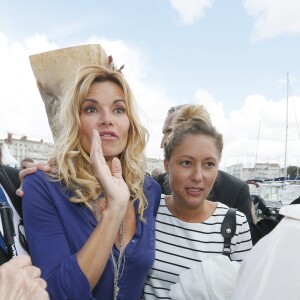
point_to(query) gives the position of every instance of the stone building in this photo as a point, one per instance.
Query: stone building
(260, 171)
(153, 163)
(22, 147)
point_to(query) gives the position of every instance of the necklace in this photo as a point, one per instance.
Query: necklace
(117, 263)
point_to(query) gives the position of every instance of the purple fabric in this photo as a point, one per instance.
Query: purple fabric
(56, 229)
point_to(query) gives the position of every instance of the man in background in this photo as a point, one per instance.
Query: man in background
(24, 163)
(156, 171)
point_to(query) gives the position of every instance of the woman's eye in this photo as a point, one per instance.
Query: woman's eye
(90, 109)
(210, 164)
(120, 110)
(186, 163)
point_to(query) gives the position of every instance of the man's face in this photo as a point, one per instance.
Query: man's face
(23, 165)
(167, 128)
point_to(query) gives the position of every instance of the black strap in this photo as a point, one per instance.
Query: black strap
(7, 178)
(228, 230)
(3, 256)
(22, 238)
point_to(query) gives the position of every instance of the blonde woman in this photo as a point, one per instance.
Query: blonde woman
(90, 226)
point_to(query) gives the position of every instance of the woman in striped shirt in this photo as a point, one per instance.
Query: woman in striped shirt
(188, 226)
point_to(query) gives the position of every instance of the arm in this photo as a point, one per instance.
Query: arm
(48, 238)
(97, 248)
(243, 203)
(72, 275)
(242, 239)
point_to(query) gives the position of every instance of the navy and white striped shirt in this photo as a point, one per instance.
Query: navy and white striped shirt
(180, 245)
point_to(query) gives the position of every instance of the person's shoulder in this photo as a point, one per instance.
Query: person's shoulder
(150, 183)
(40, 184)
(221, 207)
(225, 177)
(152, 192)
(241, 218)
(9, 174)
(38, 177)
(221, 210)
(291, 211)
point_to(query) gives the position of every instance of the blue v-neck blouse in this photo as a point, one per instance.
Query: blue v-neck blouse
(56, 230)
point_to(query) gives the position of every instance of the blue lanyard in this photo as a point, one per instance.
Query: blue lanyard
(3, 200)
(2, 196)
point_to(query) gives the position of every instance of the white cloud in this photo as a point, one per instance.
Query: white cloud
(273, 17)
(151, 99)
(213, 107)
(22, 110)
(256, 131)
(39, 43)
(191, 10)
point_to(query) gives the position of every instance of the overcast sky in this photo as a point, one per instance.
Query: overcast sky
(232, 56)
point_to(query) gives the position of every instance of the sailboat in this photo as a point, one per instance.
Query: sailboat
(278, 191)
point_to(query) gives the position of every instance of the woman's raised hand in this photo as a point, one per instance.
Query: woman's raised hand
(115, 188)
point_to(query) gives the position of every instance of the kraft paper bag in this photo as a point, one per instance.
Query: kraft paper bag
(55, 72)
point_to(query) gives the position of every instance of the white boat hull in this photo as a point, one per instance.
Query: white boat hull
(283, 193)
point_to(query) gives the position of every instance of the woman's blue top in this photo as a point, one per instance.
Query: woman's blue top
(56, 229)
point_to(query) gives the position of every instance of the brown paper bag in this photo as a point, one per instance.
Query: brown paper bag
(55, 71)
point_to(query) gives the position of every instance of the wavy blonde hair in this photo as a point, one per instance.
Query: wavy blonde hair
(73, 163)
(191, 119)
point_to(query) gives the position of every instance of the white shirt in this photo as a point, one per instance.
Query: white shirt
(16, 219)
(272, 268)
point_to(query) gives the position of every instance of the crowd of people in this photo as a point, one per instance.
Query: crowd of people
(98, 227)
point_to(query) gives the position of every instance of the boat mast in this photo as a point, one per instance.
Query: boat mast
(258, 137)
(286, 126)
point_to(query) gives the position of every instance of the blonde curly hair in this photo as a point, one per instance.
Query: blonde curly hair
(73, 164)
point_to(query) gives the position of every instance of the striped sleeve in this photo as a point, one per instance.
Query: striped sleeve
(241, 242)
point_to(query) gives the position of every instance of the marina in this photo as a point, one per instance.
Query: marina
(277, 192)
